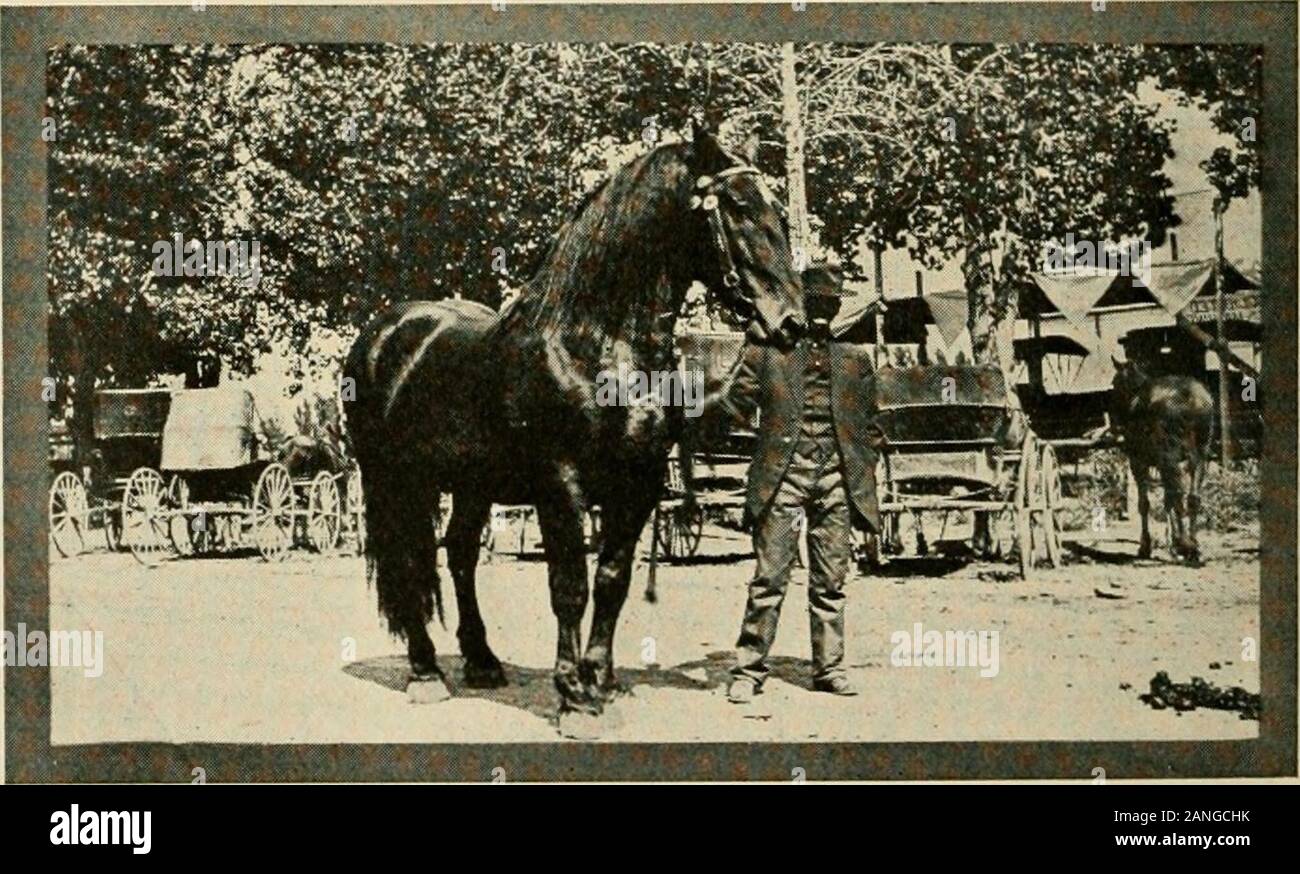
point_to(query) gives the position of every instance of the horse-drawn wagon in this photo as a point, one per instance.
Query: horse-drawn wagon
(213, 489)
(127, 426)
(958, 443)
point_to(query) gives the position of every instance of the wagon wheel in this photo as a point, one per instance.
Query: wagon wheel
(145, 517)
(69, 514)
(179, 530)
(273, 512)
(356, 510)
(680, 529)
(324, 514)
(1050, 489)
(1003, 533)
(1026, 483)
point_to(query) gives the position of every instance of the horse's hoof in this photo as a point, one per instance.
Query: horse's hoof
(427, 691)
(613, 691)
(581, 725)
(485, 676)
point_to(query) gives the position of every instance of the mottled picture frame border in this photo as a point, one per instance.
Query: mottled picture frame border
(27, 33)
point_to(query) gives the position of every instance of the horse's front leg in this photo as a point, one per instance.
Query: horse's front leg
(560, 518)
(623, 523)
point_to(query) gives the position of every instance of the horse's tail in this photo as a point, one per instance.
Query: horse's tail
(401, 547)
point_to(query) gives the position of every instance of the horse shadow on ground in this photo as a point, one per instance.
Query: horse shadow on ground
(1089, 554)
(1099, 556)
(533, 689)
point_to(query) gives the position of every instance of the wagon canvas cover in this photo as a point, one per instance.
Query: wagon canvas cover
(209, 429)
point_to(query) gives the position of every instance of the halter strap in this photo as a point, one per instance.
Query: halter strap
(707, 200)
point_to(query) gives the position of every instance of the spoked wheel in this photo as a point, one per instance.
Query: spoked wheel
(1050, 490)
(273, 505)
(680, 529)
(1027, 483)
(324, 513)
(69, 513)
(145, 518)
(179, 529)
(356, 510)
(1003, 535)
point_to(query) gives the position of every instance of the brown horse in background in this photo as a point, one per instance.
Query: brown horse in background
(1167, 423)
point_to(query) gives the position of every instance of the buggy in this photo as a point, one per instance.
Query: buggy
(958, 442)
(127, 433)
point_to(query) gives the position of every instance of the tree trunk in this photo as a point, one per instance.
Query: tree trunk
(796, 188)
(977, 273)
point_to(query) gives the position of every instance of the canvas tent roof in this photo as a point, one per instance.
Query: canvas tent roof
(1173, 286)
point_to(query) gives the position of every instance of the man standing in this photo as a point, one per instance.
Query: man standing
(813, 471)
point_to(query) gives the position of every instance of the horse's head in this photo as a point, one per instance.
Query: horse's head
(1129, 381)
(743, 254)
(1129, 376)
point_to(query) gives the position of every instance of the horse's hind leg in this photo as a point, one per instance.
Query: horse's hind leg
(464, 531)
(402, 551)
(1194, 501)
(1140, 473)
(1178, 478)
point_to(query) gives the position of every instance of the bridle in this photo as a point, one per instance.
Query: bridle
(706, 198)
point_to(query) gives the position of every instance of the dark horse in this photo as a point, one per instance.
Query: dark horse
(452, 397)
(1166, 422)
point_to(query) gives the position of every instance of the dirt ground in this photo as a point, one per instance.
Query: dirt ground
(233, 649)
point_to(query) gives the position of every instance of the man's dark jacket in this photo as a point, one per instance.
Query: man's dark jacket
(773, 380)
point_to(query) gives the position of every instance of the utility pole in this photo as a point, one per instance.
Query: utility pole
(1225, 431)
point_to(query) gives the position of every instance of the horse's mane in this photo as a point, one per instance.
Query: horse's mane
(603, 260)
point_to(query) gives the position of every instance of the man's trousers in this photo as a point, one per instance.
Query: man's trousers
(811, 496)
